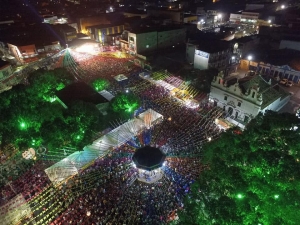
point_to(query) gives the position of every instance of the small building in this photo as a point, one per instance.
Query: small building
(243, 99)
(208, 54)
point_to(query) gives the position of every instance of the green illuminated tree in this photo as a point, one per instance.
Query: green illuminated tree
(44, 84)
(252, 177)
(100, 84)
(124, 103)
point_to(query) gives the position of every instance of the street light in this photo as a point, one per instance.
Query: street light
(249, 59)
(220, 17)
(269, 21)
(282, 6)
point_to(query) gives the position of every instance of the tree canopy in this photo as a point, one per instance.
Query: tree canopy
(100, 84)
(253, 177)
(29, 118)
(124, 103)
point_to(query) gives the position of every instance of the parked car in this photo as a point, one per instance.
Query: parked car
(283, 81)
(289, 84)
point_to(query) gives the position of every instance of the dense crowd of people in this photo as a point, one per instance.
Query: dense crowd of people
(108, 192)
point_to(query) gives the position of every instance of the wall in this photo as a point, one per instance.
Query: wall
(290, 45)
(91, 21)
(235, 18)
(171, 37)
(101, 33)
(190, 53)
(175, 16)
(247, 107)
(190, 19)
(201, 60)
(278, 104)
(144, 42)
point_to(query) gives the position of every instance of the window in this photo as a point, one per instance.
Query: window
(253, 94)
(225, 98)
(239, 104)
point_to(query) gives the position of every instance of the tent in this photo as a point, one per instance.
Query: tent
(13, 211)
(70, 165)
(77, 161)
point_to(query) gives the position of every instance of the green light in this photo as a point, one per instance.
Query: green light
(276, 196)
(23, 125)
(52, 99)
(240, 196)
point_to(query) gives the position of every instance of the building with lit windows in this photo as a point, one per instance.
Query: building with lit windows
(208, 54)
(151, 39)
(244, 17)
(243, 99)
(105, 34)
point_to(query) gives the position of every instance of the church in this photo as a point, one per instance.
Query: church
(242, 99)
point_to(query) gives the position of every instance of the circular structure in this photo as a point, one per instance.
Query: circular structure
(148, 158)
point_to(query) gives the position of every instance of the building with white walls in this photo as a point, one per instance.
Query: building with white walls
(243, 99)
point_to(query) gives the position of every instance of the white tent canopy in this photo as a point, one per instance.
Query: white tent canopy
(14, 210)
(70, 165)
(107, 95)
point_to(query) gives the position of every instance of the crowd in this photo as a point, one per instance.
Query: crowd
(108, 192)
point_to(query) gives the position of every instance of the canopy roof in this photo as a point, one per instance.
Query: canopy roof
(148, 158)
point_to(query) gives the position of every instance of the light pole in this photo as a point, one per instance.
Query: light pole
(249, 60)
(219, 17)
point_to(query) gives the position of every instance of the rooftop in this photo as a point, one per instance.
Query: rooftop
(148, 158)
(80, 91)
(246, 39)
(283, 57)
(141, 30)
(269, 91)
(102, 26)
(213, 46)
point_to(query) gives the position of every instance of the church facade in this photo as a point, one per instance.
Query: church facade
(242, 99)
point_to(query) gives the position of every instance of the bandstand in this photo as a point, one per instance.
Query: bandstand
(149, 160)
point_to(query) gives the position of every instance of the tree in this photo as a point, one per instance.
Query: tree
(44, 84)
(124, 103)
(253, 176)
(100, 84)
